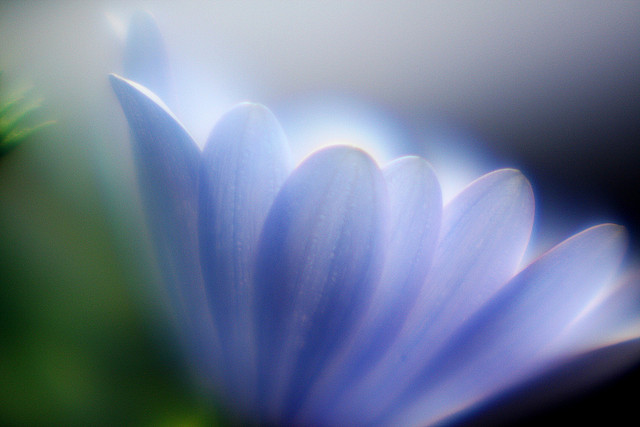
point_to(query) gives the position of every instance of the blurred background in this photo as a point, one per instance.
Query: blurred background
(550, 88)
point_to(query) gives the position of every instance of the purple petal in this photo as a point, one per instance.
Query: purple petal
(167, 162)
(485, 231)
(565, 378)
(513, 336)
(416, 208)
(145, 59)
(245, 162)
(610, 317)
(319, 258)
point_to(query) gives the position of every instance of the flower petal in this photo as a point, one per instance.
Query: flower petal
(319, 258)
(167, 161)
(415, 203)
(611, 316)
(567, 377)
(145, 58)
(513, 336)
(485, 231)
(416, 210)
(245, 162)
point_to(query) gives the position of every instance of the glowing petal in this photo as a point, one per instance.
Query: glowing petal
(167, 163)
(484, 234)
(245, 162)
(416, 209)
(319, 258)
(611, 316)
(512, 337)
(485, 231)
(569, 376)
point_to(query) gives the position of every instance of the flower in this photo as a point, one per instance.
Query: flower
(341, 293)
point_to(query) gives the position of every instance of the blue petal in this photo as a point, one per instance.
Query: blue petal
(167, 162)
(145, 59)
(611, 316)
(485, 231)
(513, 336)
(576, 373)
(415, 212)
(319, 258)
(245, 162)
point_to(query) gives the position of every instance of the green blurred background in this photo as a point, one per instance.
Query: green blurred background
(84, 334)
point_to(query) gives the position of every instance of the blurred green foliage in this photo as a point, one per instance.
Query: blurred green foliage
(82, 341)
(15, 112)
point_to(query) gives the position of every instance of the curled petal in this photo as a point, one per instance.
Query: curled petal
(319, 258)
(167, 161)
(245, 162)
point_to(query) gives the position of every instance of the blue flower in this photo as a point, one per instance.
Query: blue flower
(342, 293)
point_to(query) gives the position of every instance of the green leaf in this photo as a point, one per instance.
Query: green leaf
(15, 116)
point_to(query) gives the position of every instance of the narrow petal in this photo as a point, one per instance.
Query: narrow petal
(167, 161)
(512, 337)
(416, 209)
(485, 231)
(245, 162)
(320, 255)
(145, 58)
(567, 377)
(415, 203)
(611, 316)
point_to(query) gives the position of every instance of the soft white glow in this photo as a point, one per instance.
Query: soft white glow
(311, 125)
(458, 157)
(202, 97)
(118, 25)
